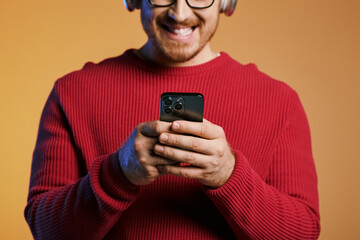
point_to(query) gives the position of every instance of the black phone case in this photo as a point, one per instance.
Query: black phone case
(181, 106)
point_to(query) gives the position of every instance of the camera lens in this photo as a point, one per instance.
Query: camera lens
(178, 106)
(168, 110)
(168, 101)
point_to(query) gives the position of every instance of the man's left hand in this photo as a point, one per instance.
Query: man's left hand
(202, 146)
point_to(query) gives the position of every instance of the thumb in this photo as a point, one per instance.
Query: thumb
(154, 128)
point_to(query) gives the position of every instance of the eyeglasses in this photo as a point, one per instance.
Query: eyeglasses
(196, 4)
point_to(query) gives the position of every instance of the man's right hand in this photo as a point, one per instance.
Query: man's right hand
(136, 157)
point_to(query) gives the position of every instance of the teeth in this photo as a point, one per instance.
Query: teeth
(182, 31)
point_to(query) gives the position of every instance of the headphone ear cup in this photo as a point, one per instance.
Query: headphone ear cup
(228, 7)
(131, 5)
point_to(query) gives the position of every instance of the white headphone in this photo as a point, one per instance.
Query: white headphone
(226, 6)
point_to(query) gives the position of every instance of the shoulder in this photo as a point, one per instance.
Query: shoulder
(250, 79)
(92, 74)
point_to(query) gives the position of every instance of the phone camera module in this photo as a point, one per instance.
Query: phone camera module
(168, 110)
(178, 106)
(168, 101)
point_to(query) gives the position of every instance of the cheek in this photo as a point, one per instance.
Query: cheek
(148, 20)
(147, 23)
(209, 27)
(210, 18)
(145, 17)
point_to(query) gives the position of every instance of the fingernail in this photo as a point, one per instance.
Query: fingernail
(163, 137)
(158, 148)
(176, 125)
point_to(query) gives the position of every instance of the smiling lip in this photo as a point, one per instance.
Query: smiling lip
(179, 33)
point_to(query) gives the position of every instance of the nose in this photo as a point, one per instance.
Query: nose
(179, 11)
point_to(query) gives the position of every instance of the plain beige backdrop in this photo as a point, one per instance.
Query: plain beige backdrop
(311, 45)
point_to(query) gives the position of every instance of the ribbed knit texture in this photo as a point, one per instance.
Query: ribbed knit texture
(77, 188)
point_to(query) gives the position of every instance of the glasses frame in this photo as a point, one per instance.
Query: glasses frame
(173, 1)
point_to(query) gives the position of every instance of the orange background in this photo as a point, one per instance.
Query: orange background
(311, 45)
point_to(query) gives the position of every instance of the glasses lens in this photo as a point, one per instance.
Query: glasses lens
(192, 3)
(162, 3)
(200, 3)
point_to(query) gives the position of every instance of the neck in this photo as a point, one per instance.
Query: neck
(149, 53)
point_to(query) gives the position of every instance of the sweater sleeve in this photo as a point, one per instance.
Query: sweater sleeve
(285, 206)
(65, 200)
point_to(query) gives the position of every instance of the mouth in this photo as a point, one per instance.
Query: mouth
(179, 31)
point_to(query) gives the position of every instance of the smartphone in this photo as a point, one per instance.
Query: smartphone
(181, 106)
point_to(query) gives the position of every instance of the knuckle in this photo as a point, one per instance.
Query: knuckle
(205, 174)
(152, 173)
(168, 152)
(184, 174)
(203, 129)
(195, 145)
(215, 164)
(138, 145)
(190, 158)
(173, 139)
(143, 160)
(220, 150)
(158, 127)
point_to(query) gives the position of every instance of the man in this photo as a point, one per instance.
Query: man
(105, 168)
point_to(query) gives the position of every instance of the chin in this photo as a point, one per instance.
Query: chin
(176, 52)
(178, 56)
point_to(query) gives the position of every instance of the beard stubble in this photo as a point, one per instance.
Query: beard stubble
(174, 51)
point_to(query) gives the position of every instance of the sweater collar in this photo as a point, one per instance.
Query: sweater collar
(190, 70)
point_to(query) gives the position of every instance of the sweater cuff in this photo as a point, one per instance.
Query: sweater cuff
(109, 182)
(233, 182)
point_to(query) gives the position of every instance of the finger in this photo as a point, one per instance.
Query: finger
(180, 155)
(192, 143)
(149, 157)
(159, 160)
(154, 128)
(202, 129)
(187, 172)
(144, 148)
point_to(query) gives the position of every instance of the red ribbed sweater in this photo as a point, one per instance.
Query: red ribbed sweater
(78, 191)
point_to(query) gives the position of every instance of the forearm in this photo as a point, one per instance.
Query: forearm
(86, 209)
(261, 211)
